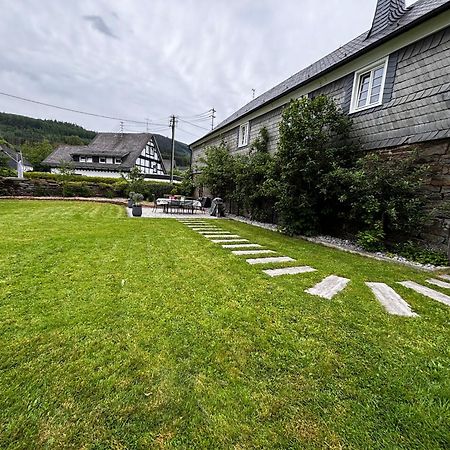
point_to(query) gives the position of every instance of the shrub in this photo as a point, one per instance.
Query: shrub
(313, 145)
(413, 252)
(372, 240)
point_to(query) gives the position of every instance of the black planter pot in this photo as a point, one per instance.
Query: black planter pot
(130, 203)
(137, 211)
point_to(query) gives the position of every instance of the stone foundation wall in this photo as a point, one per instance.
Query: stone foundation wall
(436, 155)
(14, 187)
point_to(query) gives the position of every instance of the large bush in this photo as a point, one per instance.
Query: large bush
(313, 145)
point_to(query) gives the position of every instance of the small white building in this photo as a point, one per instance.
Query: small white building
(111, 155)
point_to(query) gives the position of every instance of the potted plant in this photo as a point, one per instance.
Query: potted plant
(137, 207)
(130, 199)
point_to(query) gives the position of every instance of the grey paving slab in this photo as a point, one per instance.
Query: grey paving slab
(439, 283)
(221, 235)
(392, 302)
(289, 271)
(430, 293)
(329, 287)
(212, 232)
(222, 241)
(242, 246)
(270, 260)
(251, 252)
(445, 277)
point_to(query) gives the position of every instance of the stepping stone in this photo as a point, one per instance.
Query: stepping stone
(242, 246)
(391, 301)
(213, 232)
(439, 283)
(329, 287)
(288, 271)
(278, 259)
(445, 277)
(251, 252)
(431, 293)
(222, 241)
(221, 235)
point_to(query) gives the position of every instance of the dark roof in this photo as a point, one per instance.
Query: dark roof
(127, 146)
(387, 12)
(12, 157)
(418, 12)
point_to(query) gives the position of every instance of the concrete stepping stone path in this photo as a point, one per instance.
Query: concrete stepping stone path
(289, 271)
(445, 277)
(213, 232)
(329, 287)
(392, 302)
(251, 252)
(439, 283)
(277, 259)
(430, 293)
(242, 246)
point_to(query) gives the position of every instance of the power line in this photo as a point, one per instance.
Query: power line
(194, 125)
(75, 110)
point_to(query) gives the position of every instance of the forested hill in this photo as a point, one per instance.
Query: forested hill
(20, 129)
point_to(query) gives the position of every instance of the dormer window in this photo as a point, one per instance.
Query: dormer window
(82, 158)
(117, 160)
(243, 134)
(368, 86)
(102, 160)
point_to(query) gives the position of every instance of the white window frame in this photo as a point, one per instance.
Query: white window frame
(243, 135)
(100, 159)
(117, 160)
(82, 159)
(382, 63)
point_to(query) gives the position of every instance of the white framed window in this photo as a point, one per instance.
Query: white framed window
(102, 160)
(243, 134)
(368, 86)
(118, 161)
(82, 158)
(88, 159)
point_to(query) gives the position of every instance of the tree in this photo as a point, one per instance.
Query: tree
(36, 152)
(218, 171)
(313, 145)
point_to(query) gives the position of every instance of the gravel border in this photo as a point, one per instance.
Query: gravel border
(346, 246)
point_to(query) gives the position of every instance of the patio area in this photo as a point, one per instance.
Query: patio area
(152, 213)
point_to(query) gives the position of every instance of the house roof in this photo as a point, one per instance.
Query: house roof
(12, 156)
(383, 29)
(127, 146)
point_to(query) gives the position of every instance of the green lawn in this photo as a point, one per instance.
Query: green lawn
(124, 333)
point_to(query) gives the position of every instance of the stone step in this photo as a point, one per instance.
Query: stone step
(430, 293)
(242, 246)
(251, 252)
(213, 232)
(329, 287)
(288, 271)
(222, 241)
(221, 235)
(445, 277)
(392, 302)
(270, 260)
(439, 283)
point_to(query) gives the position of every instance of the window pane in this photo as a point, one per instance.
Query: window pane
(363, 90)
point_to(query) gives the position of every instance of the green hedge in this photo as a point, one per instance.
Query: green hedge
(57, 177)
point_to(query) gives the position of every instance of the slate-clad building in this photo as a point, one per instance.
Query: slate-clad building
(393, 80)
(112, 154)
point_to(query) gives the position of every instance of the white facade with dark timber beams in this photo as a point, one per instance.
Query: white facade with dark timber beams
(112, 155)
(393, 80)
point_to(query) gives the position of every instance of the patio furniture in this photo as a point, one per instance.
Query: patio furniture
(177, 206)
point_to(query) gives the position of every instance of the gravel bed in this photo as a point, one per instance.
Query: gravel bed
(345, 245)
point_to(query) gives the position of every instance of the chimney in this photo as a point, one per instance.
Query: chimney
(387, 13)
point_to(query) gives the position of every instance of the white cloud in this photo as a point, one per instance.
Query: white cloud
(140, 59)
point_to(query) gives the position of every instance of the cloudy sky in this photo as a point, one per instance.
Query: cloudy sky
(148, 59)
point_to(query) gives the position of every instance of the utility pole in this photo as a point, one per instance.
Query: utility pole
(146, 120)
(121, 129)
(213, 116)
(173, 121)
